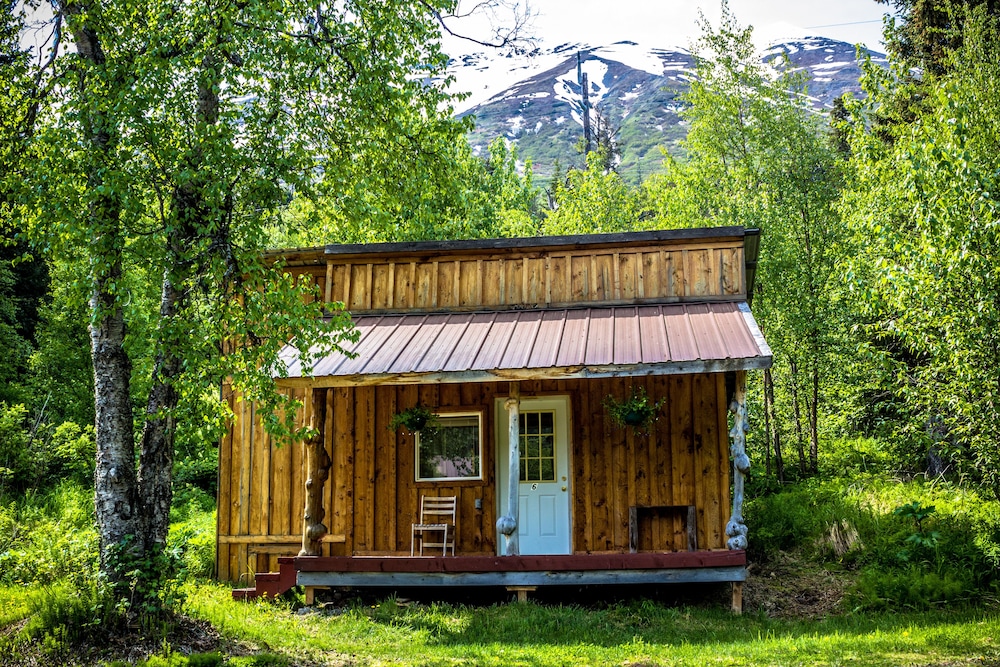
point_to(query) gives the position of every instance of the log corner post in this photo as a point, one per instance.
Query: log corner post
(736, 528)
(507, 524)
(318, 466)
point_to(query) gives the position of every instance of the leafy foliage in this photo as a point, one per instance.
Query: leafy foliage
(922, 206)
(758, 157)
(594, 200)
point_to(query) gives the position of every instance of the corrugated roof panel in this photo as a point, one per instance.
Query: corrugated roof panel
(404, 329)
(573, 346)
(491, 353)
(734, 331)
(680, 336)
(549, 339)
(420, 346)
(467, 348)
(371, 338)
(627, 341)
(706, 332)
(584, 342)
(441, 352)
(653, 334)
(522, 340)
(601, 340)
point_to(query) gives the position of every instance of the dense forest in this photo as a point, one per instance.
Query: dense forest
(154, 151)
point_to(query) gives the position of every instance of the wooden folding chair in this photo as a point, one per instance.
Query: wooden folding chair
(437, 518)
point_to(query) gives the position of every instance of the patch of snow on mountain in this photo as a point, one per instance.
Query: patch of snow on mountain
(788, 48)
(516, 124)
(631, 55)
(568, 90)
(836, 65)
(483, 76)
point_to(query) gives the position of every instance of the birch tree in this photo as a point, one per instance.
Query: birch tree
(161, 139)
(758, 156)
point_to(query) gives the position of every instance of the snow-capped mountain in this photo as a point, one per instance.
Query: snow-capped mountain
(535, 101)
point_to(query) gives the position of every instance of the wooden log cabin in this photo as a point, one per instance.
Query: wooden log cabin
(516, 346)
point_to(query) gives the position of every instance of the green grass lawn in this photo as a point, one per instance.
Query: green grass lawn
(635, 633)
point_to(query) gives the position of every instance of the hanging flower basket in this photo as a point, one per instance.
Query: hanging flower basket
(638, 411)
(415, 419)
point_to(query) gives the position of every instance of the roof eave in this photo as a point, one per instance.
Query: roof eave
(526, 374)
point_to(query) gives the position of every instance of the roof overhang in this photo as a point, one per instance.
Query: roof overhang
(563, 343)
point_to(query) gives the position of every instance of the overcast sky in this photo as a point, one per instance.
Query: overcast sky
(673, 23)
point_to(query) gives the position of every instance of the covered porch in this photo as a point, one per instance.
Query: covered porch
(550, 490)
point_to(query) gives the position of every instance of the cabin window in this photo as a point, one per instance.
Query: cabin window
(538, 454)
(451, 451)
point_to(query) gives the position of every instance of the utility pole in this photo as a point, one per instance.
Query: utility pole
(581, 78)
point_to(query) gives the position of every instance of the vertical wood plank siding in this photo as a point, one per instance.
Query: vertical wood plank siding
(708, 270)
(372, 497)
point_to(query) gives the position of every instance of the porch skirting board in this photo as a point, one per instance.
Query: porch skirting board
(576, 569)
(524, 578)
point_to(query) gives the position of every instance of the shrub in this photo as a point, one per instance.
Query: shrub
(63, 615)
(15, 462)
(198, 469)
(911, 588)
(49, 536)
(799, 517)
(855, 457)
(44, 454)
(193, 541)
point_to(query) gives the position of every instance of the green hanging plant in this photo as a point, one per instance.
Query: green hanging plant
(416, 419)
(638, 411)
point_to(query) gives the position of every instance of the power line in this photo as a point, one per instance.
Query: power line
(838, 25)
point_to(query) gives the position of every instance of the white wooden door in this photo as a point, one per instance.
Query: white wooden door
(543, 507)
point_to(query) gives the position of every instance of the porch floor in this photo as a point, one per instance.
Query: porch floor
(574, 569)
(578, 569)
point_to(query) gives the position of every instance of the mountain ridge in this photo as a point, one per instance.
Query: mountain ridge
(535, 101)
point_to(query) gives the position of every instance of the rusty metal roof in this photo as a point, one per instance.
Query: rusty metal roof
(547, 343)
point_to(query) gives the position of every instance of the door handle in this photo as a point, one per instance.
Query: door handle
(564, 488)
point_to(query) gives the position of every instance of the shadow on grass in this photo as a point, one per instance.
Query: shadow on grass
(665, 616)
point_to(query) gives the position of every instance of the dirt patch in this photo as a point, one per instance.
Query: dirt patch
(786, 587)
(183, 636)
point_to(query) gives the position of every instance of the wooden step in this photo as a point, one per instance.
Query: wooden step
(270, 584)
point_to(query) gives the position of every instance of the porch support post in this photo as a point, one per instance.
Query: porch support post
(507, 524)
(318, 465)
(736, 529)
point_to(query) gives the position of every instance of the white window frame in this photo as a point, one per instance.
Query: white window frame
(442, 417)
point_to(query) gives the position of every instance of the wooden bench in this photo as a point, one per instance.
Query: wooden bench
(689, 516)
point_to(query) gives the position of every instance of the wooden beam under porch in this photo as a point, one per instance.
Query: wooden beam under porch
(577, 569)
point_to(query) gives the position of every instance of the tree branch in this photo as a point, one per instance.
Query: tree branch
(504, 36)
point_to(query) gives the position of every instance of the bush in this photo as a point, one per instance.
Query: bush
(62, 616)
(198, 469)
(44, 454)
(14, 459)
(911, 588)
(853, 458)
(916, 544)
(193, 542)
(47, 537)
(798, 517)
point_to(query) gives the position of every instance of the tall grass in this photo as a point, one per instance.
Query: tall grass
(638, 633)
(949, 556)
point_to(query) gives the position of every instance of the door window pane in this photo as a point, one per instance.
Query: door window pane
(537, 446)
